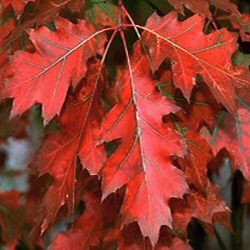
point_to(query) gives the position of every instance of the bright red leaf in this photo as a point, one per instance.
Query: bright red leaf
(77, 138)
(209, 55)
(59, 61)
(142, 157)
(150, 112)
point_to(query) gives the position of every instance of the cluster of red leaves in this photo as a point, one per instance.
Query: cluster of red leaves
(136, 147)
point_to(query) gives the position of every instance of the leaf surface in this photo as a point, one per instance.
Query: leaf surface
(11, 216)
(207, 55)
(18, 5)
(233, 135)
(87, 232)
(202, 6)
(195, 162)
(59, 61)
(93, 226)
(204, 208)
(142, 159)
(78, 138)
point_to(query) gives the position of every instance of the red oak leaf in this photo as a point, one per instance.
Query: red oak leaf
(11, 217)
(132, 242)
(75, 5)
(136, 242)
(46, 11)
(130, 238)
(242, 23)
(86, 232)
(202, 6)
(18, 5)
(195, 162)
(78, 138)
(142, 157)
(130, 160)
(207, 55)
(91, 228)
(3, 59)
(233, 135)
(204, 208)
(59, 60)
(203, 110)
(225, 5)
(6, 27)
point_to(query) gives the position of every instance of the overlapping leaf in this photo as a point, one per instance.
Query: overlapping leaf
(209, 55)
(202, 6)
(78, 138)
(11, 216)
(233, 135)
(200, 111)
(142, 159)
(195, 162)
(200, 207)
(148, 139)
(243, 24)
(45, 76)
(45, 11)
(18, 5)
(92, 228)
(87, 232)
(168, 241)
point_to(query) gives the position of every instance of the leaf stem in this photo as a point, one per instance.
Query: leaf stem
(132, 22)
(134, 98)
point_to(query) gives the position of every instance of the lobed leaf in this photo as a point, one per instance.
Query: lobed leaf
(59, 61)
(207, 55)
